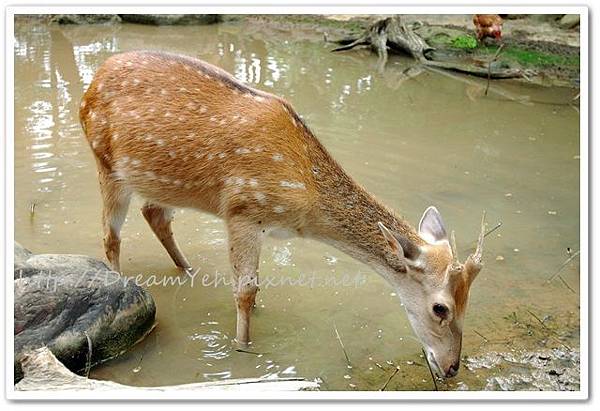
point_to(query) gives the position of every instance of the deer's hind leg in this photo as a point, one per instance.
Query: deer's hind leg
(159, 218)
(115, 201)
(244, 254)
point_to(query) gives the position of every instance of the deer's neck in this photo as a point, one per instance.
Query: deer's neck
(348, 217)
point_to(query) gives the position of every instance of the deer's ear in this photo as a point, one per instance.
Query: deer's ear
(401, 246)
(431, 226)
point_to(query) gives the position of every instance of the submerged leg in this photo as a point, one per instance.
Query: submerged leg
(244, 253)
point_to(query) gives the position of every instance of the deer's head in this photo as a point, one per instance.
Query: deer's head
(434, 287)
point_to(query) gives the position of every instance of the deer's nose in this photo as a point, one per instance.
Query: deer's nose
(453, 369)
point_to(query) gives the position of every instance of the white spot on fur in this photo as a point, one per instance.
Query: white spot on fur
(292, 184)
(136, 81)
(203, 109)
(260, 197)
(253, 182)
(160, 142)
(222, 155)
(242, 150)
(277, 157)
(163, 91)
(213, 119)
(278, 209)
(82, 105)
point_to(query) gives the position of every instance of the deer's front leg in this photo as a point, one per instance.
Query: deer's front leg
(244, 253)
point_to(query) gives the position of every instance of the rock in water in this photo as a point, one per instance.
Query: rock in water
(171, 19)
(85, 19)
(77, 307)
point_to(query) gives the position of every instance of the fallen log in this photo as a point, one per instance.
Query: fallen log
(393, 34)
(43, 372)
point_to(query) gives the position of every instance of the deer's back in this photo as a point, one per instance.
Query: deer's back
(185, 133)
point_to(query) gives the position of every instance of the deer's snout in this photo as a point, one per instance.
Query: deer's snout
(453, 369)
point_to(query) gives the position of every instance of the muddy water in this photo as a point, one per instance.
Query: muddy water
(428, 140)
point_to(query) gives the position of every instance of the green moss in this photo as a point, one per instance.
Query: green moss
(464, 42)
(534, 58)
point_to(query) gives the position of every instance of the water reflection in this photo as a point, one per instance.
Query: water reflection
(413, 141)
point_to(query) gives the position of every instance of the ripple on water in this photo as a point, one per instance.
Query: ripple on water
(282, 256)
(212, 345)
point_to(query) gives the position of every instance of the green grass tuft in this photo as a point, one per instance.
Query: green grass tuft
(464, 42)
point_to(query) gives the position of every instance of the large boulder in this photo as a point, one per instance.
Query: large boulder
(85, 18)
(171, 19)
(78, 308)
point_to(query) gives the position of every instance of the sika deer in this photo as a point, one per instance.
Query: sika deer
(182, 133)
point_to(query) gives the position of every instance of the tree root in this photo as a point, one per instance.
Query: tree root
(393, 34)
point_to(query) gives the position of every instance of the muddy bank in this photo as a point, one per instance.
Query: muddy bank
(545, 48)
(541, 46)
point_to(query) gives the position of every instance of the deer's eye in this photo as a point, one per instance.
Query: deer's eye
(440, 310)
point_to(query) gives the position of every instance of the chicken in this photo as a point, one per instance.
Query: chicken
(488, 25)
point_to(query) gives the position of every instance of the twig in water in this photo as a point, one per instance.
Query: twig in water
(430, 370)
(390, 378)
(88, 360)
(487, 87)
(567, 261)
(490, 231)
(249, 352)
(566, 284)
(485, 339)
(539, 320)
(555, 334)
(337, 334)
